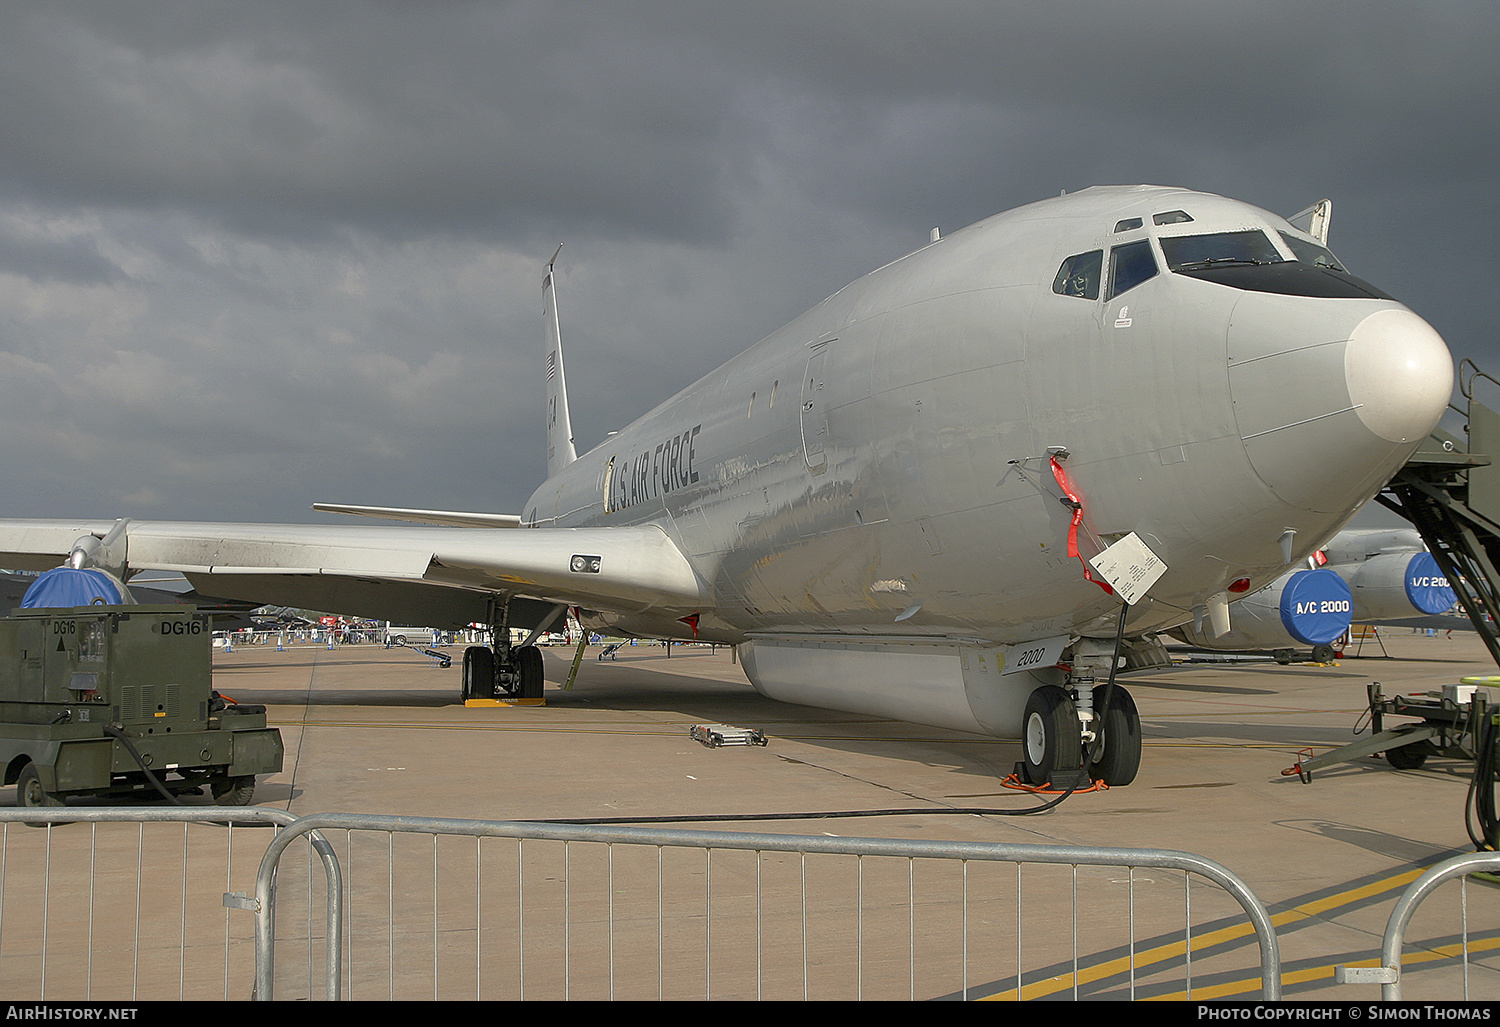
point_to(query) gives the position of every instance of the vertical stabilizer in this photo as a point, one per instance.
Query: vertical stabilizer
(560, 451)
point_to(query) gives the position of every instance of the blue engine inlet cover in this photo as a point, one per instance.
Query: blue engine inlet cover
(1316, 606)
(1426, 586)
(71, 587)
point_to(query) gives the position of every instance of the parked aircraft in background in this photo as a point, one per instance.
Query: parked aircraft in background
(1392, 577)
(1380, 576)
(927, 497)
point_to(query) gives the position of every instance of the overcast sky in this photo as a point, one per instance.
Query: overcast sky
(256, 255)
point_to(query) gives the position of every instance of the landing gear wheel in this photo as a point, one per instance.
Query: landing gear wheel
(29, 790)
(1117, 756)
(1323, 654)
(233, 791)
(1409, 757)
(529, 667)
(1051, 739)
(479, 673)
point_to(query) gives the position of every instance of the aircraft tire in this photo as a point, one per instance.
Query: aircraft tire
(1118, 757)
(529, 663)
(479, 673)
(1323, 654)
(1050, 737)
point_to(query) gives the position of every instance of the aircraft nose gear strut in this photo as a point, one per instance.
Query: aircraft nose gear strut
(1084, 732)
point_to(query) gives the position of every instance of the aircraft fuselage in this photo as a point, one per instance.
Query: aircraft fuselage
(880, 466)
(887, 504)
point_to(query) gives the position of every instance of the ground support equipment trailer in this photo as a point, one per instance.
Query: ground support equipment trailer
(119, 700)
(1450, 724)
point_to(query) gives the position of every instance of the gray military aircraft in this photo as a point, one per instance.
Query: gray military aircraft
(955, 492)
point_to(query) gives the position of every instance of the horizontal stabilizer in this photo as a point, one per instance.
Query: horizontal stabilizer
(450, 518)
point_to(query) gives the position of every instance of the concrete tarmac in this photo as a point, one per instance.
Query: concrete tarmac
(375, 730)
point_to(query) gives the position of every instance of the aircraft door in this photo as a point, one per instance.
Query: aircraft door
(814, 409)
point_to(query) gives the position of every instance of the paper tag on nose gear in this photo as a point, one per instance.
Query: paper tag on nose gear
(1130, 567)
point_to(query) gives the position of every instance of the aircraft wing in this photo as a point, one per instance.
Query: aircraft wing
(437, 576)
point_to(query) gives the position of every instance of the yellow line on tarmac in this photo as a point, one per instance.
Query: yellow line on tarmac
(1175, 950)
(1123, 965)
(1325, 973)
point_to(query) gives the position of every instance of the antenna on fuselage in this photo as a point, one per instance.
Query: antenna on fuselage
(560, 451)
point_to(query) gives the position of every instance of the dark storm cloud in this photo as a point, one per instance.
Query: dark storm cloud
(255, 254)
(400, 118)
(75, 260)
(646, 120)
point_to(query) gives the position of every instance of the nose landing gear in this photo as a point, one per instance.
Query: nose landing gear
(1082, 733)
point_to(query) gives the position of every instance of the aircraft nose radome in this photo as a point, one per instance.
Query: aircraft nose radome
(1328, 406)
(1400, 375)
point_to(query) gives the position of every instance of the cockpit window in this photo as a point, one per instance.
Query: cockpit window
(1312, 253)
(1129, 266)
(1249, 260)
(1172, 217)
(1222, 249)
(1079, 275)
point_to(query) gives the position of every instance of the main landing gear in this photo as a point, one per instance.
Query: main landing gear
(512, 671)
(1065, 728)
(516, 674)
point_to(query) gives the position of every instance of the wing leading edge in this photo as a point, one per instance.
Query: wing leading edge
(389, 572)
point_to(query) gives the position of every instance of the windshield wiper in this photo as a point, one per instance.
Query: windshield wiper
(1199, 265)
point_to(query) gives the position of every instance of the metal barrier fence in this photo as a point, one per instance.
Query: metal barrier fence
(572, 911)
(1388, 974)
(422, 908)
(163, 903)
(131, 912)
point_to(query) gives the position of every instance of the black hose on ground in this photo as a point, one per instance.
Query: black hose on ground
(719, 818)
